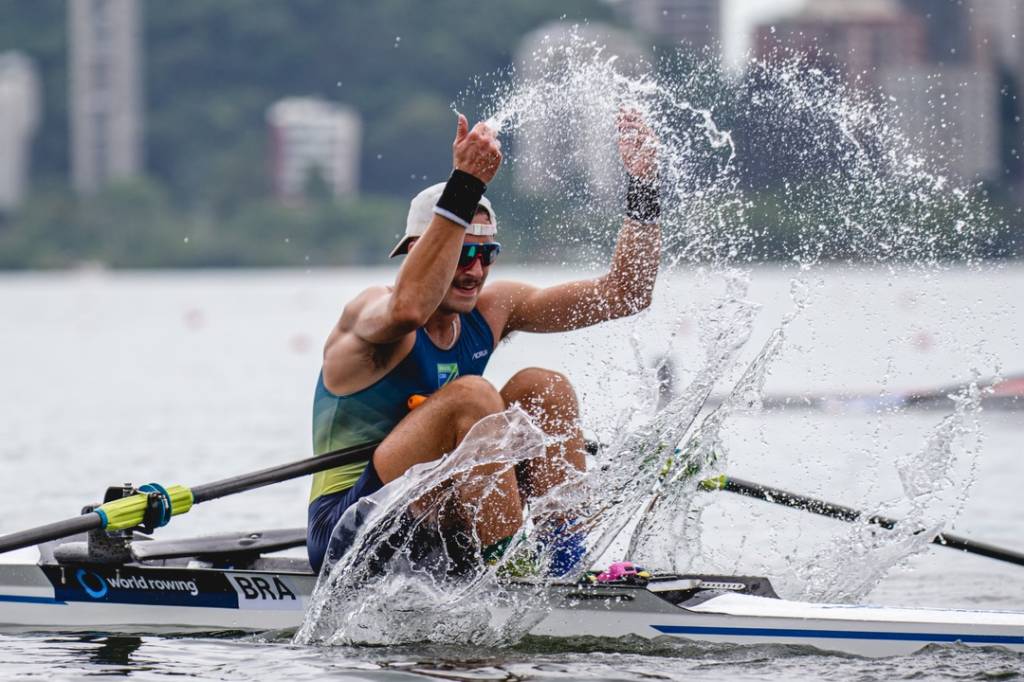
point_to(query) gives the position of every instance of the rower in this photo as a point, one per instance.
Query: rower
(432, 332)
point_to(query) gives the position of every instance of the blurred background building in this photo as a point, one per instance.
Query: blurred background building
(947, 28)
(544, 151)
(697, 23)
(19, 112)
(922, 56)
(106, 92)
(851, 39)
(193, 101)
(996, 29)
(312, 138)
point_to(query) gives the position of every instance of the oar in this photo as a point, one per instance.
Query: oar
(838, 511)
(132, 511)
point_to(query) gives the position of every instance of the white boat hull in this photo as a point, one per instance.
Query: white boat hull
(167, 599)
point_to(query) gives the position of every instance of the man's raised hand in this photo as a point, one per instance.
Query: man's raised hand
(637, 145)
(476, 151)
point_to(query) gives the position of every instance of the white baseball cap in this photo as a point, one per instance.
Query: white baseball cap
(421, 212)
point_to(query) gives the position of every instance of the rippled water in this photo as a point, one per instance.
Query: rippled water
(72, 657)
(190, 377)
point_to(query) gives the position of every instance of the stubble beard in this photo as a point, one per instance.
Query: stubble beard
(459, 305)
(455, 303)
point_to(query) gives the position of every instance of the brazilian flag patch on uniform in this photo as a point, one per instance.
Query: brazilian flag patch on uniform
(446, 371)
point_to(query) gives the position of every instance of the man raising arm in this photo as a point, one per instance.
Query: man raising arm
(432, 333)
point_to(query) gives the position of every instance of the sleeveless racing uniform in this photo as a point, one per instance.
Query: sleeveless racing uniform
(370, 414)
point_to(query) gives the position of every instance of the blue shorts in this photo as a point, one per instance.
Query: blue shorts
(449, 552)
(325, 511)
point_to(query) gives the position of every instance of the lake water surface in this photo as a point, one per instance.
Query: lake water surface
(190, 377)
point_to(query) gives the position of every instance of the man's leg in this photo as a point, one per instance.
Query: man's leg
(490, 498)
(550, 400)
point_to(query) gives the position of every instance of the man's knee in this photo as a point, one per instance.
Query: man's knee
(474, 396)
(536, 383)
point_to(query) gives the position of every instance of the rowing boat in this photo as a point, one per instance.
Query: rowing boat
(236, 583)
(116, 581)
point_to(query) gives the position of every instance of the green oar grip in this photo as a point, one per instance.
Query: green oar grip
(129, 512)
(714, 483)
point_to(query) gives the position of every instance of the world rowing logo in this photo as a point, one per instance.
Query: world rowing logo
(94, 585)
(98, 587)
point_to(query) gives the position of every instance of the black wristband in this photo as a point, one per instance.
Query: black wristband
(460, 198)
(642, 204)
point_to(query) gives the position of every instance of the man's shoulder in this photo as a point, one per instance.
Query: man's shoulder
(504, 292)
(345, 330)
(497, 301)
(495, 297)
(355, 305)
(373, 292)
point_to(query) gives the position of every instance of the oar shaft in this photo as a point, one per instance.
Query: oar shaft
(280, 473)
(788, 499)
(982, 548)
(838, 511)
(51, 531)
(303, 467)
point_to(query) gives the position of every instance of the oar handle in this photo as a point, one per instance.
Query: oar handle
(129, 511)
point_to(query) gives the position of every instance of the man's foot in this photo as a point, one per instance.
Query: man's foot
(560, 548)
(564, 547)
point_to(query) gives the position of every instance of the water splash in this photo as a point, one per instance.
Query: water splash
(402, 580)
(786, 162)
(848, 567)
(561, 123)
(636, 465)
(669, 532)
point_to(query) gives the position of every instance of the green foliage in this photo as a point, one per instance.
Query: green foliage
(787, 224)
(324, 233)
(211, 70)
(125, 225)
(132, 224)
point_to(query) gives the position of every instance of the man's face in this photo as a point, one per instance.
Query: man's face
(468, 281)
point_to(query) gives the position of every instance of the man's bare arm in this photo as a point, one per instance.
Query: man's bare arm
(419, 287)
(629, 285)
(427, 272)
(625, 290)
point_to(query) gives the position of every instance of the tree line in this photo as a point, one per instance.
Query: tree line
(211, 69)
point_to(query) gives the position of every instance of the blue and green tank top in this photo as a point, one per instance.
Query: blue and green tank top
(341, 421)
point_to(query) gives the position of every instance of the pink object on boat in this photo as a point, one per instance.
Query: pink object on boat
(620, 570)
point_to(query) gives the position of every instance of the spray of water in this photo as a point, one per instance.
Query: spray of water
(404, 578)
(853, 562)
(787, 146)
